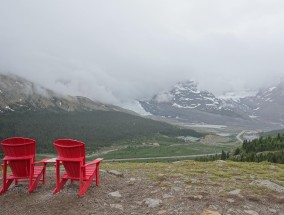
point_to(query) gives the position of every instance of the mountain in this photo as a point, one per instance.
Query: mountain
(33, 111)
(184, 102)
(17, 94)
(268, 104)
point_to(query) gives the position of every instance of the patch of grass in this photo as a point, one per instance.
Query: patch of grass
(201, 176)
(167, 149)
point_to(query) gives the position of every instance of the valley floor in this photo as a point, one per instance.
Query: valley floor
(185, 187)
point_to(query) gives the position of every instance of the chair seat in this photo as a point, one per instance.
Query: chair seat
(37, 171)
(89, 171)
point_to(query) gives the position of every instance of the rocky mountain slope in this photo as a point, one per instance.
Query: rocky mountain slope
(17, 94)
(268, 104)
(184, 102)
(187, 187)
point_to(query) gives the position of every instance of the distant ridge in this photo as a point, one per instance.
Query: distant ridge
(18, 94)
(185, 103)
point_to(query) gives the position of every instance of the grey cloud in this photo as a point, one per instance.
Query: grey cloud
(116, 51)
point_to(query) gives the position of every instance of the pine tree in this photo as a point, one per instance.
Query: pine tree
(223, 155)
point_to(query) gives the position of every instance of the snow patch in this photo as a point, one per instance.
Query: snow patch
(271, 89)
(253, 116)
(8, 108)
(176, 105)
(191, 106)
(136, 107)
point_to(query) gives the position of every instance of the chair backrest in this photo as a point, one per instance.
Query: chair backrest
(20, 153)
(72, 154)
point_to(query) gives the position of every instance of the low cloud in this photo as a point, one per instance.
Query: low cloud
(117, 51)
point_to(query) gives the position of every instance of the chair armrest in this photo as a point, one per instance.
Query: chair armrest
(97, 162)
(42, 161)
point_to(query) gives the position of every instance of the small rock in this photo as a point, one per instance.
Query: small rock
(115, 194)
(198, 197)
(230, 200)
(162, 212)
(176, 189)
(152, 203)
(220, 161)
(116, 173)
(166, 196)
(230, 210)
(272, 210)
(117, 206)
(251, 212)
(194, 181)
(212, 207)
(208, 212)
(102, 171)
(235, 192)
(131, 181)
(269, 184)
(154, 191)
(139, 202)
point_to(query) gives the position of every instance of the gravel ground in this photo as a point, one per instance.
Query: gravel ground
(136, 193)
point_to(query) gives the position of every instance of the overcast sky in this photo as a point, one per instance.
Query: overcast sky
(115, 50)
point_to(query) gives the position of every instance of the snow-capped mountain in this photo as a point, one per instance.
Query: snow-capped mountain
(185, 102)
(268, 104)
(17, 93)
(186, 95)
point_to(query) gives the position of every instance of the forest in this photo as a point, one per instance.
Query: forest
(96, 128)
(265, 148)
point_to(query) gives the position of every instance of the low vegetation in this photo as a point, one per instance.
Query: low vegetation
(266, 148)
(216, 172)
(96, 128)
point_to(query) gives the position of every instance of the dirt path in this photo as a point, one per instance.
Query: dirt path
(159, 158)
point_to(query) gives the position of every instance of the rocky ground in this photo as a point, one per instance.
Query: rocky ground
(160, 188)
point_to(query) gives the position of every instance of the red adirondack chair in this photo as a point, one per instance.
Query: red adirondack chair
(71, 153)
(20, 157)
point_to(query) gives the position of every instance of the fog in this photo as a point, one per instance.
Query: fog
(116, 51)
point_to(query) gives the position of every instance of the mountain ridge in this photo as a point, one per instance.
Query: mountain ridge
(18, 94)
(185, 102)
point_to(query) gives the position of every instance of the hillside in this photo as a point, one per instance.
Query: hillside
(96, 128)
(19, 94)
(30, 110)
(186, 103)
(161, 188)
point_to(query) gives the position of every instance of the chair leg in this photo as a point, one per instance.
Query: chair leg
(60, 186)
(6, 183)
(44, 173)
(86, 185)
(97, 175)
(34, 183)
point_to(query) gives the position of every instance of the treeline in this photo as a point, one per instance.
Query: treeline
(96, 128)
(262, 149)
(270, 148)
